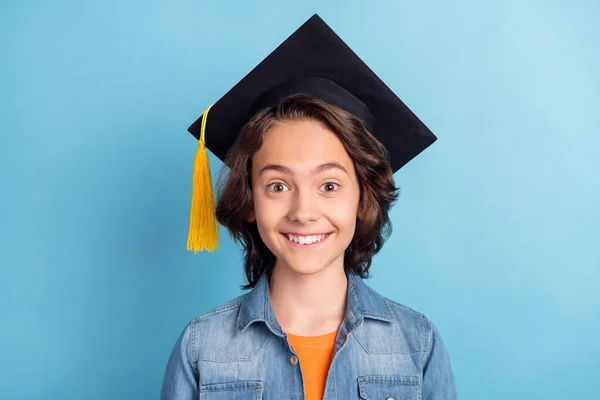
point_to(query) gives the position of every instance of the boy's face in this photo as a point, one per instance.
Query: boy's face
(304, 183)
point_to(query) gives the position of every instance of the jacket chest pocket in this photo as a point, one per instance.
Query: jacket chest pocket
(389, 387)
(240, 390)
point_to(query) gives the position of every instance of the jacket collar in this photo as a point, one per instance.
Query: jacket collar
(362, 302)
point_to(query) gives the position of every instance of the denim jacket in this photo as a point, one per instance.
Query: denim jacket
(383, 350)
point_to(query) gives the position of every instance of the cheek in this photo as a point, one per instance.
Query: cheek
(346, 205)
(268, 213)
(268, 216)
(343, 215)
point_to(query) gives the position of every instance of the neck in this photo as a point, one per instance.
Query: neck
(309, 304)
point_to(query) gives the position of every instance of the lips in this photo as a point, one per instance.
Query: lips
(306, 246)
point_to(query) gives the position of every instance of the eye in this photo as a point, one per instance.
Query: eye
(277, 187)
(330, 186)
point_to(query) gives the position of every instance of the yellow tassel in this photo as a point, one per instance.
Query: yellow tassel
(204, 228)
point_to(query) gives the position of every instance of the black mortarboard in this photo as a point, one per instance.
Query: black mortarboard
(313, 60)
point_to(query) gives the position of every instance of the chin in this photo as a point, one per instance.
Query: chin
(305, 268)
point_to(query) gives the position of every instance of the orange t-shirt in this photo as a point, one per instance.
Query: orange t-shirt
(315, 354)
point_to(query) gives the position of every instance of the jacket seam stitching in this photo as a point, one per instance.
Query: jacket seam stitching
(192, 350)
(427, 326)
(238, 359)
(405, 308)
(219, 310)
(357, 294)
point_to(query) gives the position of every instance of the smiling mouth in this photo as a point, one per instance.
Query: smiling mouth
(303, 243)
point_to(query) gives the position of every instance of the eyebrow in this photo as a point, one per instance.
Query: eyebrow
(321, 168)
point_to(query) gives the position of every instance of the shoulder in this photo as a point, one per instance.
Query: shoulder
(214, 317)
(408, 315)
(416, 321)
(411, 329)
(391, 309)
(230, 305)
(214, 337)
(223, 314)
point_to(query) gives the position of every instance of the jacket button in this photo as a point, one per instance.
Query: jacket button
(294, 360)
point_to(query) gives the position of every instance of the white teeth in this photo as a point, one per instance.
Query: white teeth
(305, 239)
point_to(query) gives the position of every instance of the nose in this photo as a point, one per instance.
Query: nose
(304, 207)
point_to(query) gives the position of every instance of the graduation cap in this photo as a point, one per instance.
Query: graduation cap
(316, 61)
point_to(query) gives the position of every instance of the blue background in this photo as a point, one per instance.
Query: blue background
(495, 233)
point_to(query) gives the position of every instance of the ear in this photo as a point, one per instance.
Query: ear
(251, 217)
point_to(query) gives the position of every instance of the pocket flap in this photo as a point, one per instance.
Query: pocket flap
(389, 387)
(238, 390)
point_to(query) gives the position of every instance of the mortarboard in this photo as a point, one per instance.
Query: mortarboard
(316, 61)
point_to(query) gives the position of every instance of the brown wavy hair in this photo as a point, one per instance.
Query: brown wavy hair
(378, 191)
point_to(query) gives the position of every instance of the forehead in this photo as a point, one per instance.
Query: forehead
(301, 145)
